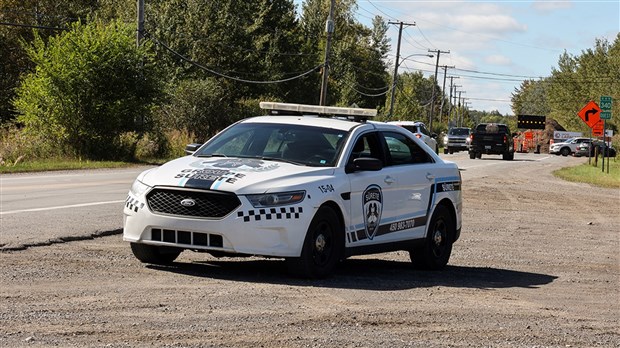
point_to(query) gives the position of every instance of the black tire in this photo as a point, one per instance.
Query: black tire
(322, 248)
(508, 156)
(437, 149)
(478, 155)
(155, 254)
(435, 253)
(565, 151)
(472, 155)
(451, 151)
(445, 151)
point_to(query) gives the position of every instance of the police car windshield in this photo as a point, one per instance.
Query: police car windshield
(305, 145)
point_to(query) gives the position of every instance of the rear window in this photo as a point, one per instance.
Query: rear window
(492, 128)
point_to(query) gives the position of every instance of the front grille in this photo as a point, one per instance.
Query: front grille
(206, 204)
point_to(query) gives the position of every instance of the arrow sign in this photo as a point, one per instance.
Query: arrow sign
(590, 114)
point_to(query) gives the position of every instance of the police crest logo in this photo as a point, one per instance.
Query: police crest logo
(373, 206)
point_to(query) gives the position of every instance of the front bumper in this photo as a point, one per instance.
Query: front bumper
(278, 231)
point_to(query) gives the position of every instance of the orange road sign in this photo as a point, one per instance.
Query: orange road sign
(597, 130)
(590, 114)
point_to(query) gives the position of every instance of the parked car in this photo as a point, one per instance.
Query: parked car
(419, 129)
(585, 149)
(301, 185)
(568, 147)
(456, 140)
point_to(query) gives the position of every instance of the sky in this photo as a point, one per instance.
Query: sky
(493, 45)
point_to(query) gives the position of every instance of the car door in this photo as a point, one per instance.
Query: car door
(373, 196)
(413, 168)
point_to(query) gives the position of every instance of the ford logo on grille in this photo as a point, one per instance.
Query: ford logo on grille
(188, 202)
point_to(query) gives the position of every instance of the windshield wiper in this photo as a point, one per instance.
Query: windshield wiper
(212, 155)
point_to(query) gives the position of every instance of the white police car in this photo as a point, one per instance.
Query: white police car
(309, 184)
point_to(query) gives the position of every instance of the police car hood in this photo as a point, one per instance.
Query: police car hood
(239, 175)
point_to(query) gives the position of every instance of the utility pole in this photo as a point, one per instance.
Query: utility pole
(396, 63)
(452, 86)
(443, 91)
(140, 34)
(329, 28)
(430, 117)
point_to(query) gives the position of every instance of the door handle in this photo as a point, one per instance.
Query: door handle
(389, 180)
(430, 176)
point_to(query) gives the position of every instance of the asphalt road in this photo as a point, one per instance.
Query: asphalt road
(44, 208)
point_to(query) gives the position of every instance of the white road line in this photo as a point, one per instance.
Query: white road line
(59, 207)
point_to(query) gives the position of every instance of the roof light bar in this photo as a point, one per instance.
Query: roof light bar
(319, 110)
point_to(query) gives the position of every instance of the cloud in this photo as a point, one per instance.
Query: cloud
(498, 59)
(550, 6)
(496, 23)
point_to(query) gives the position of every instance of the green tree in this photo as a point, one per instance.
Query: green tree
(89, 86)
(531, 98)
(19, 18)
(358, 67)
(579, 79)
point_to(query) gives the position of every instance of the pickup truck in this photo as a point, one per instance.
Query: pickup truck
(456, 140)
(491, 139)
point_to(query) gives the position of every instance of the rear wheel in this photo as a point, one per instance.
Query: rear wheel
(322, 248)
(157, 255)
(435, 253)
(508, 156)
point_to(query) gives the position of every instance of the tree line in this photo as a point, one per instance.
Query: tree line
(577, 80)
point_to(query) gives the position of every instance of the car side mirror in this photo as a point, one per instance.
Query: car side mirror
(364, 164)
(191, 148)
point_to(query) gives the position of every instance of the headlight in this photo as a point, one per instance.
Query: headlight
(274, 199)
(445, 139)
(138, 188)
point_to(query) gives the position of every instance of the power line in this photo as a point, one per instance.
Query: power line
(31, 26)
(147, 35)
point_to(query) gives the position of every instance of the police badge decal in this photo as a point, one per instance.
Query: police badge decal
(372, 208)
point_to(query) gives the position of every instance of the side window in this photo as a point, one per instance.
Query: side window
(403, 150)
(425, 131)
(367, 145)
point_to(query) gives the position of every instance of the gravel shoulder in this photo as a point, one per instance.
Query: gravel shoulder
(538, 265)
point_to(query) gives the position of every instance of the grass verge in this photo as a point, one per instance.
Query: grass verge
(55, 164)
(590, 174)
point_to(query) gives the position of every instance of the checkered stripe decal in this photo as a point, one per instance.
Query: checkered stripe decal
(133, 204)
(270, 214)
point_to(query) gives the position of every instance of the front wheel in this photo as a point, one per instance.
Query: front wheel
(322, 248)
(565, 151)
(472, 155)
(435, 253)
(155, 254)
